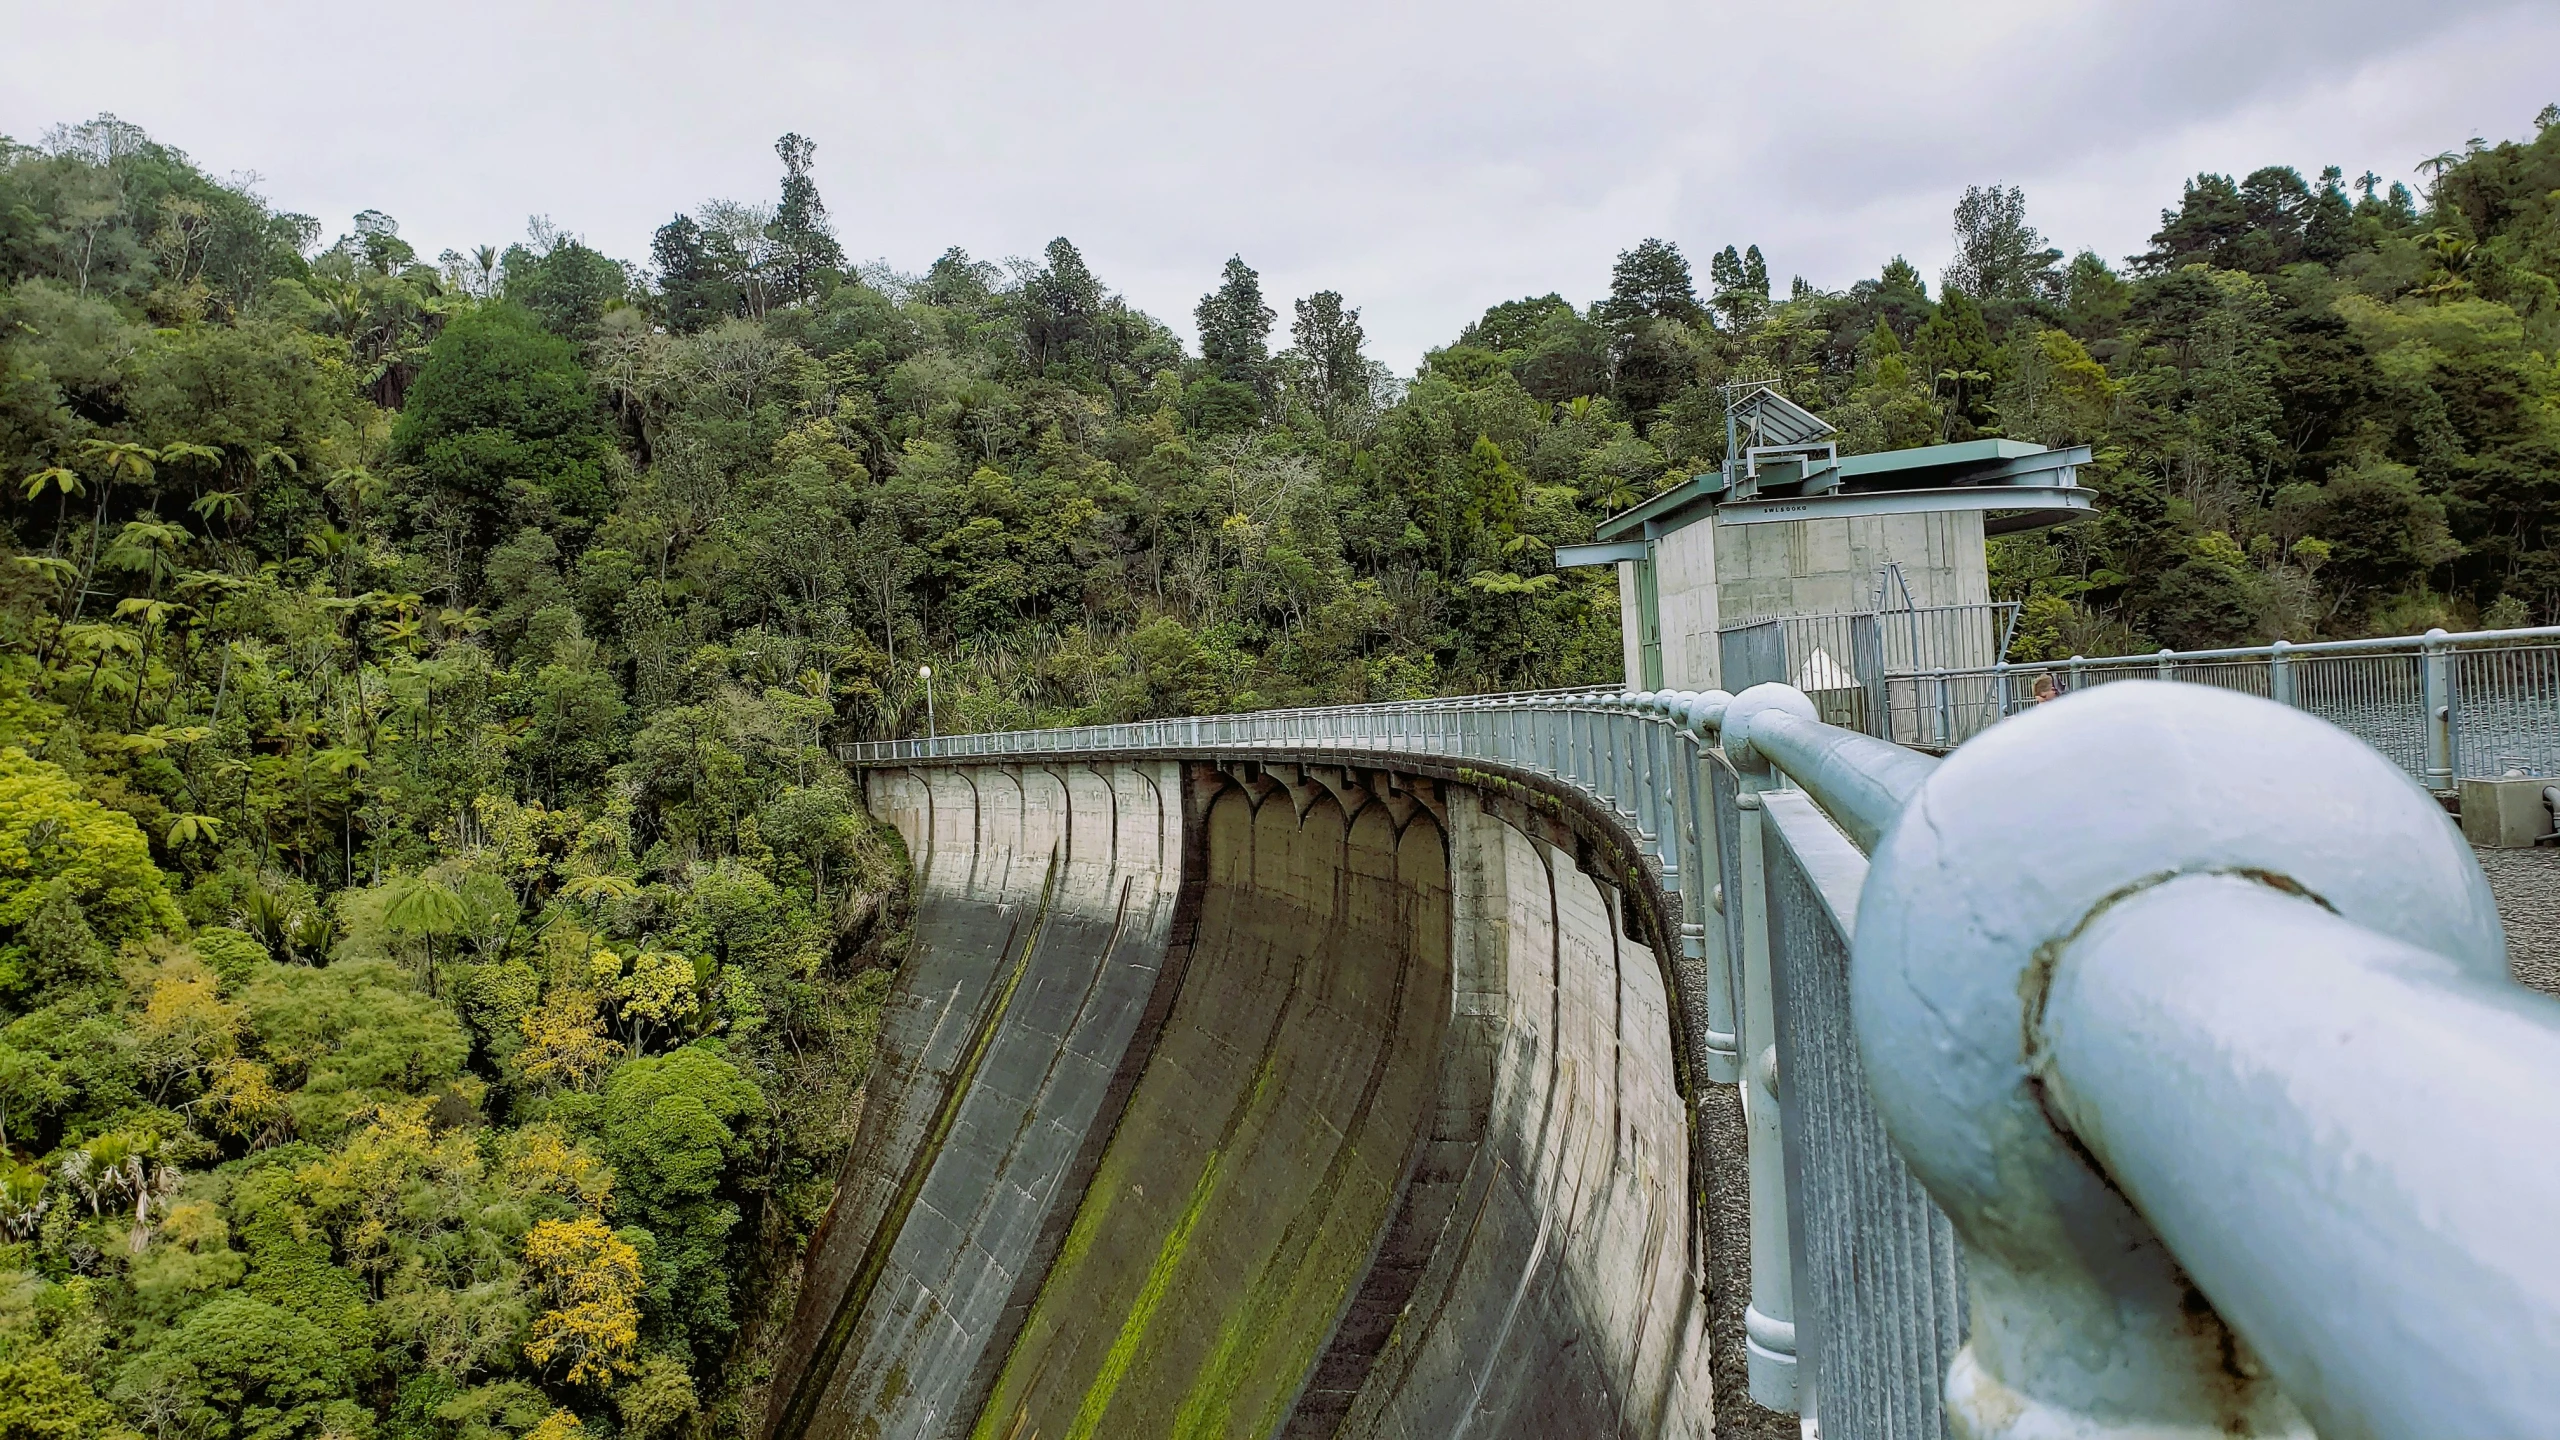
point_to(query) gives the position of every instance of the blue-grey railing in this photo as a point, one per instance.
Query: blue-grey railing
(2147, 1066)
(2441, 706)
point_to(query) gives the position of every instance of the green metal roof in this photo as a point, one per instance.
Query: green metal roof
(1653, 517)
(1929, 457)
(1964, 465)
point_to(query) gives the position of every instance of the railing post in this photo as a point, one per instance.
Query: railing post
(1769, 1326)
(2168, 663)
(1634, 752)
(1609, 786)
(1702, 939)
(1631, 768)
(2000, 689)
(1946, 711)
(1639, 766)
(1638, 746)
(1595, 725)
(1661, 797)
(2076, 666)
(2280, 672)
(2435, 663)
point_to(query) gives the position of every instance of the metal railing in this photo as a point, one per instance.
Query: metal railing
(2442, 706)
(2271, 1057)
(1849, 663)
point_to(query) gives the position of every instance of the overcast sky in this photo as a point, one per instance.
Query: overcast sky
(1424, 159)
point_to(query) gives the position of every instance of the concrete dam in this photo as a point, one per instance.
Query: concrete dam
(1223, 1097)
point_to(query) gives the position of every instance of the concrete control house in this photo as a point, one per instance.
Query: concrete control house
(1791, 528)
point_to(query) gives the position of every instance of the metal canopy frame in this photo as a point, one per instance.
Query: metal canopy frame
(1569, 556)
(2059, 505)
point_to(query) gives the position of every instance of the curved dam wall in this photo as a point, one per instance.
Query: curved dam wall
(1258, 1100)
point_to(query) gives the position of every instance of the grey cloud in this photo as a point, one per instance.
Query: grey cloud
(1427, 159)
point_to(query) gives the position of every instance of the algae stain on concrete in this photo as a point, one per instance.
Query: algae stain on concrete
(1202, 1312)
(1255, 1102)
(1272, 1337)
(1065, 1284)
(1133, 1329)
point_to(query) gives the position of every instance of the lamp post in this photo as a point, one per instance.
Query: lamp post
(925, 674)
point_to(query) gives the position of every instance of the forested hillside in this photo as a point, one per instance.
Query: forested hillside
(438, 950)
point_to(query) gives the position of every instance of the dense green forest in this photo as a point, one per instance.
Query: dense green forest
(438, 949)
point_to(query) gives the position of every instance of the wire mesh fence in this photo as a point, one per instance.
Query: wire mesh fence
(2507, 710)
(2379, 699)
(1940, 709)
(1880, 1299)
(2442, 708)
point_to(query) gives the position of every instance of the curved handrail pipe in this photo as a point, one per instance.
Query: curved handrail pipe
(1860, 781)
(2193, 1014)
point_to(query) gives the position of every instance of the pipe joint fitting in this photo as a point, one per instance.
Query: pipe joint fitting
(1966, 918)
(1749, 706)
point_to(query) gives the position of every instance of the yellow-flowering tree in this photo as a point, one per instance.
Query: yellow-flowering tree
(366, 1191)
(590, 1283)
(242, 1100)
(186, 1026)
(544, 1159)
(564, 1041)
(657, 994)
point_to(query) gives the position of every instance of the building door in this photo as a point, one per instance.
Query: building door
(1648, 622)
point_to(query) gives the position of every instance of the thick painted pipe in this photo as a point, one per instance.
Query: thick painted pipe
(1861, 782)
(2344, 1139)
(2086, 1320)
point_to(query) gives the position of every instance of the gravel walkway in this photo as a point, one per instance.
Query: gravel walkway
(2527, 884)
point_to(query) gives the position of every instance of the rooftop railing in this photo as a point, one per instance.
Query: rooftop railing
(1848, 661)
(2149, 1066)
